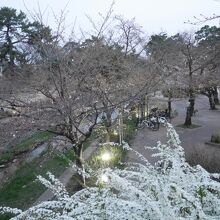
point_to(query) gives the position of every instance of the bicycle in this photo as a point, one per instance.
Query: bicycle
(162, 120)
(150, 123)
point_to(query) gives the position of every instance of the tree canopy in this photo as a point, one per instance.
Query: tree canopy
(16, 32)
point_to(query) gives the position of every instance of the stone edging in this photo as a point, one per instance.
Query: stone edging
(212, 144)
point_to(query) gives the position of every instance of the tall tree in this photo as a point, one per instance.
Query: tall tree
(182, 61)
(160, 50)
(129, 35)
(15, 32)
(209, 38)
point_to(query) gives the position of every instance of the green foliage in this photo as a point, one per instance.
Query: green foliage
(208, 35)
(23, 190)
(5, 157)
(68, 157)
(173, 190)
(129, 128)
(155, 42)
(201, 193)
(15, 30)
(25, 145)
(29, 143)
(216, 137)
(185, 211)
(116, 153)
(116, 157)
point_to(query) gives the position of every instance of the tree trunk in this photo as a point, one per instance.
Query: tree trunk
(191, 105)
(142, 108)
(138, 113)
(108, 124)
(80, 163)
(146, 106)
(10, 48)
(215, 95)
(169, 108)
(120, 123)
(108, 135)
(210, 94)
(191, 91)
(188, 121)
(211, 101)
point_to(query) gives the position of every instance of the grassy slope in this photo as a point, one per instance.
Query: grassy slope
(25, 145)
(23, 189)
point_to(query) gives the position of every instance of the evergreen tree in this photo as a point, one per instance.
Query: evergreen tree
(16, 31)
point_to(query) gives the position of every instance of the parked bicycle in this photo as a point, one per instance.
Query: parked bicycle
(153, 123)
(162, 120)
(161, 116)
(150, 123)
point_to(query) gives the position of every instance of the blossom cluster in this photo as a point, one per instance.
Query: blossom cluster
(168, 190)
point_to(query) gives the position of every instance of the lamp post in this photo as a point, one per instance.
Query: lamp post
(120, 124)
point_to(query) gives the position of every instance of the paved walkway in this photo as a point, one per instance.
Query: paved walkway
(67, 174)
(192, 139)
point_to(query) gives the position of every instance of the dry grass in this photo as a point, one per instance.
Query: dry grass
(205, 155)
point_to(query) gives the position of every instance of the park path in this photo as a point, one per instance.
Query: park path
(192, 139)
(67, 174)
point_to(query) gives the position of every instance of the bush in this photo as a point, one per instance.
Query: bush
(206, 157)
(129, 128)
(116, 156)
(173, 190)
(215, 138)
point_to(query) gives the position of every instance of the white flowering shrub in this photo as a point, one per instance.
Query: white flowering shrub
(169, 190)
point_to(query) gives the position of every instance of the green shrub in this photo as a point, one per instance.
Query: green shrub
(215, 138)
(116, 156)
(25, 145)
(208, 158)
(23, 189)
(130, 126)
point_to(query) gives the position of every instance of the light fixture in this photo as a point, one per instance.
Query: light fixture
(104, 178)
(115, 132)
(106, 156)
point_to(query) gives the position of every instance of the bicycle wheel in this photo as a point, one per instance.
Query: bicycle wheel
(163, 121)
(140, 126)
(156, 127)
(151, 126)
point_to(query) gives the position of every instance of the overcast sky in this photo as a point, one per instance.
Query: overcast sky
(153, 15)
